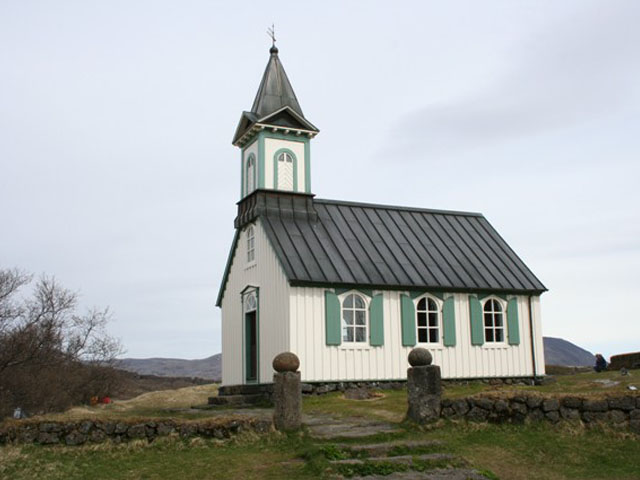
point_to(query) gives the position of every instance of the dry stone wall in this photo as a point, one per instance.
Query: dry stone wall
(95, 431)
(625, 360)
(620, 411)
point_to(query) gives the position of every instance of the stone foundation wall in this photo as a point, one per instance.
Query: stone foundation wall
(625, 360)
(89, 431)
(622, 411)
(319, 388)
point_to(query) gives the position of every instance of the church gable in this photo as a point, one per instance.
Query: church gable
(286, 117)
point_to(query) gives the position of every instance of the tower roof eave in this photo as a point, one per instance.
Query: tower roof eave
(295, 123)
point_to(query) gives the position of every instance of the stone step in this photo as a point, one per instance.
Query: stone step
(240, 400)
(382, 449)
(435, 474)
(339, 430)
(398, 460)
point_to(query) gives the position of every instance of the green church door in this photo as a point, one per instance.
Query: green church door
(251, 347)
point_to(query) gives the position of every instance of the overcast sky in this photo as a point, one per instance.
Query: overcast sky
(117, 173)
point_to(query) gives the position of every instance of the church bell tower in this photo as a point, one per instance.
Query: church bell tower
(274, 137)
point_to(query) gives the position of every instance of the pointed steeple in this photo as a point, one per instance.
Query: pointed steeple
(274, 137)
(275, 105)
(275, 90)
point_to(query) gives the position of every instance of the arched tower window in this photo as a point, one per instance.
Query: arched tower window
(251, 174)
(493, 321)
(285, 171)
(251, 244)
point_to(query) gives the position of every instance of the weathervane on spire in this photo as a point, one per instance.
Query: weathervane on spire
(271, 31)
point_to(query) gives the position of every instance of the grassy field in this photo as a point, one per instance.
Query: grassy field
(510, 452)
(161, 404)
(564, 451)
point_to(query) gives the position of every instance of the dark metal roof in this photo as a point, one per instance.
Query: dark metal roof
(275, 90)
(389, 247)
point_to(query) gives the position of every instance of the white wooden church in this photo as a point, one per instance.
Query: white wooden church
(350, 287)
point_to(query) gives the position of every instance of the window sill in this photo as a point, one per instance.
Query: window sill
(354, 346)
(431, 346)
(250, 265)
(495, 346)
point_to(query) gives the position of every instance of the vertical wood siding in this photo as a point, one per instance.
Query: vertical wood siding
(273, 309)
(319, 362)
(537, 328)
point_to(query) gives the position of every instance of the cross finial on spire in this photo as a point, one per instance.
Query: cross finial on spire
(271, 31)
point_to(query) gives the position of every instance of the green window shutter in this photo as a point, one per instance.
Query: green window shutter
(475, 318)
(408, 321)
(376, 324)
(449, 323)
(332, 318)
(512, 322)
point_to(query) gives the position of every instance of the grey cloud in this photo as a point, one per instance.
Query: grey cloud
(560, 77)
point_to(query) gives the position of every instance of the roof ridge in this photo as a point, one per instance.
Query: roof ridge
(396, 207)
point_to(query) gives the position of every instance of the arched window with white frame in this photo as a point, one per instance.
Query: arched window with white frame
(493, 321)
(285, 171)
(251, 174)
(428, 320)
(251, 244)
(354, 319)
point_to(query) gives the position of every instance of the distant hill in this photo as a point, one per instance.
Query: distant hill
(209, 368)
(561, 352)
(556, 352)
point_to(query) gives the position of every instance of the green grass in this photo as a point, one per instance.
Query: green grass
(274, 457)
(550, 452)
(589, 383)
(507, 452)
(391, 407)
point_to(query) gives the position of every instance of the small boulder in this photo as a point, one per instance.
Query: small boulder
(461, 407)
(536, 414)
(501, 406)
(97, 436)
(137, 431)
(553, 416)
(75, 438)
(595, 406)
(121, 428)
(550, 405)
(484, 403)
(622, 403)
(534, 402)
(570, 413)
(360, 394)
(477, 414)
(48, 438)
(571, 402)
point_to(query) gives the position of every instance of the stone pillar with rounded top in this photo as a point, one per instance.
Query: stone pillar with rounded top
(424, 388)
(287, 392)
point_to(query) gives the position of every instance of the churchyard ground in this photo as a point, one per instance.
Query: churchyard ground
(540, 450)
